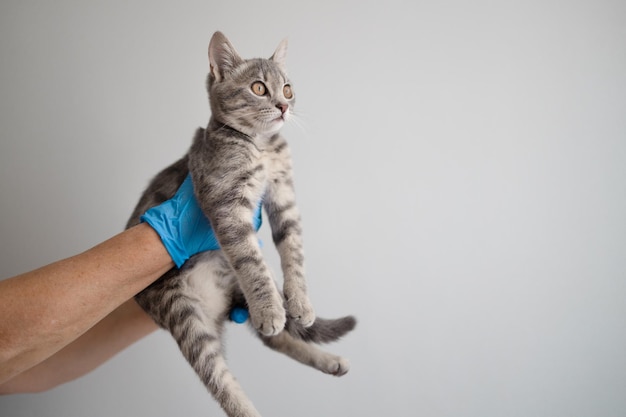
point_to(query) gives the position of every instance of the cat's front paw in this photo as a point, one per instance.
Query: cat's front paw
(300, 309)
(269, 320)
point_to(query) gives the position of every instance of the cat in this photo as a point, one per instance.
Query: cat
(238, 160)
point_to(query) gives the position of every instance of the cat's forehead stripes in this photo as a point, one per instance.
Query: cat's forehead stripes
(270, 71)
(260, 69)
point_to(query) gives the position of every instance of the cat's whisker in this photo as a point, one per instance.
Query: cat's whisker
(298, 121)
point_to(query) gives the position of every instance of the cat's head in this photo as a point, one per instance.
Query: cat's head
(253, 96)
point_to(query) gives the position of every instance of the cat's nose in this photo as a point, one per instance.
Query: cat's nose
(282, 107)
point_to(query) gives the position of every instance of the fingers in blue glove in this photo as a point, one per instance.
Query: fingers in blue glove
(182, 226)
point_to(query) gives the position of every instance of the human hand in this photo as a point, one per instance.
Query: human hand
(182, 226)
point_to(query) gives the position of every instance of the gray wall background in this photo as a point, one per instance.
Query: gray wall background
(460, 166)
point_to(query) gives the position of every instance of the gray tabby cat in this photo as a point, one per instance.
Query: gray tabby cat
(239, 159)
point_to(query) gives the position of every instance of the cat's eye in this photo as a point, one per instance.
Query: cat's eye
(259, 88)
(287, 91)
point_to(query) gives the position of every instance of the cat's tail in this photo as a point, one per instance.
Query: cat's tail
(322, 330)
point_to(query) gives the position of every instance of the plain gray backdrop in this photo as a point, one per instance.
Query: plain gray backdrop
(460, 168)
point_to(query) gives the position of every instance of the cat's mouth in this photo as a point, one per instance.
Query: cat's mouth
(280, 119)
(283, 117)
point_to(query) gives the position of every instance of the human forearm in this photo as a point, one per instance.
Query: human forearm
(44, 310)
(123, 327)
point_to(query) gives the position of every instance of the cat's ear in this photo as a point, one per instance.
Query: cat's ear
(280, 55)
(223, 58)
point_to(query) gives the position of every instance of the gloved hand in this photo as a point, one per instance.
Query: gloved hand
(183, 228)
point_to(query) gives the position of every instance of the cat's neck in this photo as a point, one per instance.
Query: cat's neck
(258, 139)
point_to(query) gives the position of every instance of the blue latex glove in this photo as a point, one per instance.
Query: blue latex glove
(183, 228)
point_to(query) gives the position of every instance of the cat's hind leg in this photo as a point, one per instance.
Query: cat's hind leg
(307, 353)
(192, 305)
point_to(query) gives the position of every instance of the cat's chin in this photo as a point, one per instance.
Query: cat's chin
(275, 125)
(279, 122)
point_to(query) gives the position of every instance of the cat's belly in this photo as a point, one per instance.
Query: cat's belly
(210, 280)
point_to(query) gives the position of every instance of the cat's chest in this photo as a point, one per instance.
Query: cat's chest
(273, 168)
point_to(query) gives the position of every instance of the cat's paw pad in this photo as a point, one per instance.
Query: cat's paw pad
(268, 320)
(336, 365)
(301, 310)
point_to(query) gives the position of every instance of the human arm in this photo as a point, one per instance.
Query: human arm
(48, 330)
(120, 329)
(44, 310)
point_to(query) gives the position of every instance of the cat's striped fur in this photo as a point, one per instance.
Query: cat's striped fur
(237, 160)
